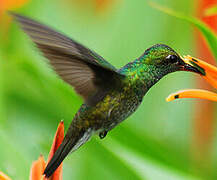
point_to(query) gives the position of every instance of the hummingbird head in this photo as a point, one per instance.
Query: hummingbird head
(165, 60)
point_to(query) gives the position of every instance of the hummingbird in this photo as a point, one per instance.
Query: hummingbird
(110, 95)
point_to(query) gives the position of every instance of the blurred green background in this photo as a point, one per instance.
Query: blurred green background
(154, 143)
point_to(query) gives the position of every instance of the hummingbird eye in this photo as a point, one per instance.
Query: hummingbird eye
(172, 58)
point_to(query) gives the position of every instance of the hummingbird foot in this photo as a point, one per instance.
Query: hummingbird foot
(102, 134)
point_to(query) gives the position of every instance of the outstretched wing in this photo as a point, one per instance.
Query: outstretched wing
(89, 74)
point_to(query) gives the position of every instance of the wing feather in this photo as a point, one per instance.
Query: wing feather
(89, 74)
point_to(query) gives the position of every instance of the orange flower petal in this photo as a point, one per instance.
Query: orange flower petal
(208, 67)
(11, 4)
(57, 175)
(210, 76)
(193, 93)
(211, 80)
(38, 166)
(210, 70)
(37, 169)
(4, 176)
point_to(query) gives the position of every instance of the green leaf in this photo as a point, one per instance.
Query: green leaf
(208, 33)
(147, 148)
(144, 166)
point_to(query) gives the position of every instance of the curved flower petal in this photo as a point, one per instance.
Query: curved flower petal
(210, 76)
(192, 93)
(57, 175)
(4, 176)
(38, 166)
(210, 70)
(37, 169)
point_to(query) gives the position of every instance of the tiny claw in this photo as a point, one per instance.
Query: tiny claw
(102, 134)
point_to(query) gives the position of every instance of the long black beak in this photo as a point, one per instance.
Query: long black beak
(188, 67)
(192, 67)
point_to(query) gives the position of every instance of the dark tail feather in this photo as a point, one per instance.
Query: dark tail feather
(58, 157)
(69, 143)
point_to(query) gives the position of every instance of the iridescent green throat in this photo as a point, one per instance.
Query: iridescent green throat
(144, 74)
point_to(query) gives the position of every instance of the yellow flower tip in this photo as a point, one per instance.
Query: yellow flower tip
(210, 69)
(187, 57)
(4, 176)
(172, 97)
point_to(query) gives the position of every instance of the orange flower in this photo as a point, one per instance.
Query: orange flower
(38, 166)
(193, 93)
(210, 76)
(3, 176)
(102, 4)
(5, 20)
(11, 4)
